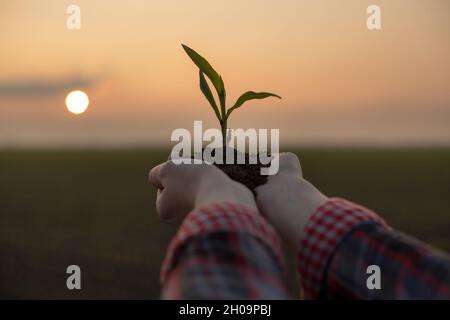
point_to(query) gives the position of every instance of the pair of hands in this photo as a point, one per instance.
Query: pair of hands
(286, 200)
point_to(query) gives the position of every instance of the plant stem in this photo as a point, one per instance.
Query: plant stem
(223, 125)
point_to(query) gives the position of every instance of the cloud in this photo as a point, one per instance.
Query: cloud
(34, 87)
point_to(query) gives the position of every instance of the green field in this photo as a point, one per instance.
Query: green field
(96, 209)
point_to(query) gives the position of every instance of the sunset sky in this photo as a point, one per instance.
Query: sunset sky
(341, 83)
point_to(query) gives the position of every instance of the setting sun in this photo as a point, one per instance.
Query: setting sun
(77, 102)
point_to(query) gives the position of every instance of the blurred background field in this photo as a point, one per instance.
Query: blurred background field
(96, 209)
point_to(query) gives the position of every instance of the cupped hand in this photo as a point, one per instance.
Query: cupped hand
(287, 200)
(184, 187)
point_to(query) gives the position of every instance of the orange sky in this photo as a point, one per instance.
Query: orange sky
(341, 83)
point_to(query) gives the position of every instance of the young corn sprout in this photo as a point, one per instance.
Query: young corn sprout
(223, 113)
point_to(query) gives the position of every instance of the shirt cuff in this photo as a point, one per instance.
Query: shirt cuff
(323, 232)
(220, 217)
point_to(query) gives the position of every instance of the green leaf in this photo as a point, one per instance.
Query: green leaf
(207, 69)
(250, 95)
(208, 94)
(222, 101)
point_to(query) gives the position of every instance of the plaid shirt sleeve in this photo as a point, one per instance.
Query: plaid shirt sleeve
(224, 251)
(342, 239)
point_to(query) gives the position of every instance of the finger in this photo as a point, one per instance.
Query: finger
(155, 176)
(160, 196)
(163, 206)
(259, 192)
(289, 162)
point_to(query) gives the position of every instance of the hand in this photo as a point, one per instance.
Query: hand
(184, 187)
(287, 200)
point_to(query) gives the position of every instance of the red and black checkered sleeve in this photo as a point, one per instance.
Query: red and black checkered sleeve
(347, 251)
(224, 251)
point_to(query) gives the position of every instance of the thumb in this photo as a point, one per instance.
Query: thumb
(289, 163)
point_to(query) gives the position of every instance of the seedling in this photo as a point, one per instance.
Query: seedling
(223, 113)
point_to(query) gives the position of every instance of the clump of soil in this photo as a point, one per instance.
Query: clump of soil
(247, 174)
